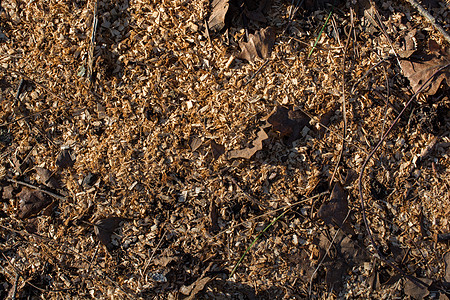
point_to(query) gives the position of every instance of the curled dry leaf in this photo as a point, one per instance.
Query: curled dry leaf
(216, 20)
(65, 159)
(247, 153)
(418, 68)
(31, 202)
(104, 229)
(415, 291)
(335, 210)
(259, 45)
(289, 123)
(217, 149)
(46, 177)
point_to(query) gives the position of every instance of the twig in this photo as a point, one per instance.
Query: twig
(413, 279)
(430, 19)
(90, 66)
(253, 200)
(153, 253)
(344, 107)
(290, 206)
(56, 196)
(257, 71)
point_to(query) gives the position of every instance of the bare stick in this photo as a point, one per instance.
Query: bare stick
(56, 196)
(430, 19)
(413, 279)
(344, 107)
(92, 45)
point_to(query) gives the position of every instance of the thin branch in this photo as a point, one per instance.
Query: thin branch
(430, 19)
(56, 196)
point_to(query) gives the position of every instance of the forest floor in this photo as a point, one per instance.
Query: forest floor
(146, 145)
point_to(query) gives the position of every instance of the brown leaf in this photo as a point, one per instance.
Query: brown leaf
(195, 143)
(46, 177)
(104, 229)
(247, 153)
(288, 123)
(335, 270)
(335, 211)
(214, 216)
(447, 266)
(31, 202)
(415, 291)
(419, 68)
(8, 192)
(65, 159)
(216, 20)
(259, 45)
(217, 149)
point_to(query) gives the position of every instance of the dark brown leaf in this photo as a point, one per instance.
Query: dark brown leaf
(216, 20)
(415, 291)
(259, 45)
(217, 149)
(250, 151)
(447, 266)
(65, 159)
(46, 177)
(335, 271)
(31, 202)
(214, 216)
(104, 228)
(418, 68)
(8, 192)
(288, 123)
(335, 211)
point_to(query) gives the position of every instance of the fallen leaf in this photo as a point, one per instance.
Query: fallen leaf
(65, 159)
(259, 45)
(104, 229)
(31, 202)
(8, 192)
(335, 210)
(447, 266)
(195, 143)
(214, 216)
(415, 291)
(335, 270)
(289, 123)
(89, 180)
(250, 151)
(419, 68)
(217, 149)
(47, 178)
(216, 20)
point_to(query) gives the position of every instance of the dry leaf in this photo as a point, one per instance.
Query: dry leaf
(259, 45)
(105, 228)
(447, 266)
(250, 151)
(418, 69)
(214, 216)
(65, 159)
(31, 202)
(216, 20)
(195, 143)
(8, 192)
(46, 177)
(217, 149)
(288, 123)
(415, 291)
(335, 211)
